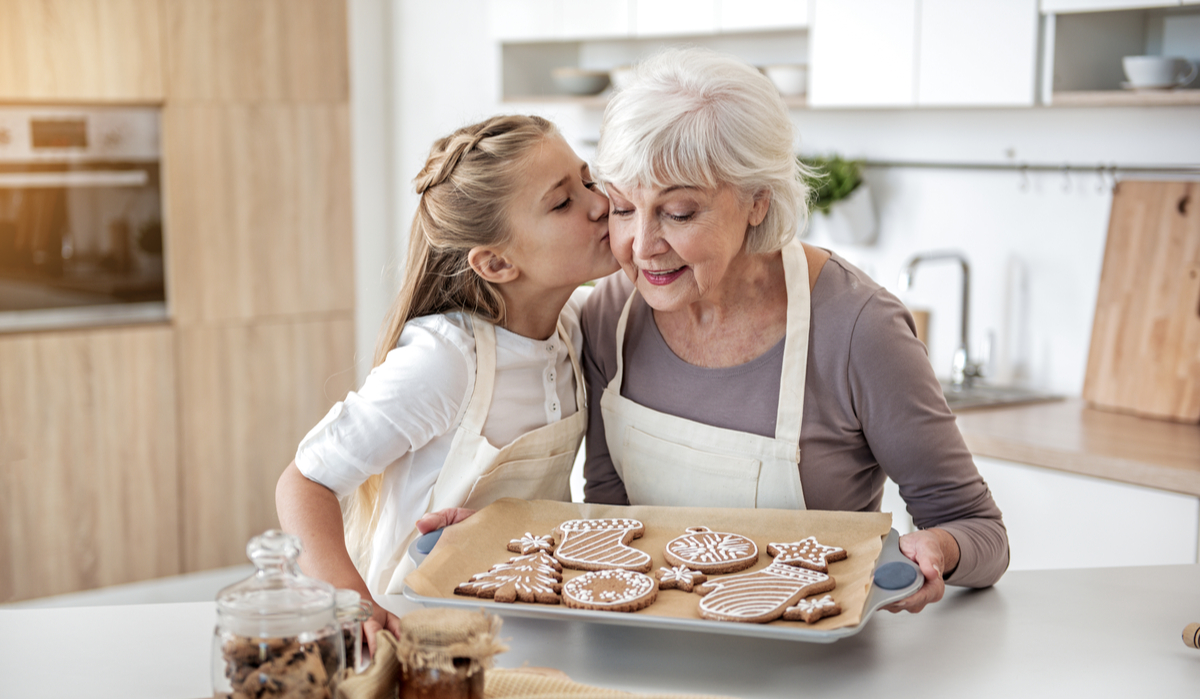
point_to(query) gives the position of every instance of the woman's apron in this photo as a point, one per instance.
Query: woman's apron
(666, 460)
(537, 465)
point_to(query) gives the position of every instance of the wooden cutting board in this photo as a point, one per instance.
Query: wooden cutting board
(1145, 351)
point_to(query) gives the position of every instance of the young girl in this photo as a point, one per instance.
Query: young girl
(481, 350)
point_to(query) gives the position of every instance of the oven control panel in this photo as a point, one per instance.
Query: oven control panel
(83, 134)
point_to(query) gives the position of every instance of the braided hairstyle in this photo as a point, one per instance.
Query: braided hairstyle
(466, 188)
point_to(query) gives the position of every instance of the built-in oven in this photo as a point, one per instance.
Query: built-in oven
(81, 224)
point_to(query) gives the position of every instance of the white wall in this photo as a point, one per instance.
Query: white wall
(1035, 252)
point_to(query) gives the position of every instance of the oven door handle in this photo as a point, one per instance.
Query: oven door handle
(75, 178)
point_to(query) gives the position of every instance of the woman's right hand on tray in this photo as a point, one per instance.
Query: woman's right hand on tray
(442, 518)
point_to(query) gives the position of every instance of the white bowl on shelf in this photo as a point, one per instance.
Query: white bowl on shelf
(790, 79)
(579, 81)
(621, 76)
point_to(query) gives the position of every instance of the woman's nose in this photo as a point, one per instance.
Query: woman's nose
(647, 241)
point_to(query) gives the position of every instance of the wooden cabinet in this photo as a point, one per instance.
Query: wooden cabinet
(863, 53)
(256, 50)
(80, 51)
(250, 392)
(1057, 520)
(259, 201)
(89, 492)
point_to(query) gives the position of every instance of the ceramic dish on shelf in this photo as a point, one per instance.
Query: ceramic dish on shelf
(579, 81)
(895, 577)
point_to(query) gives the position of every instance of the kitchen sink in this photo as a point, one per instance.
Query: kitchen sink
(980, 395)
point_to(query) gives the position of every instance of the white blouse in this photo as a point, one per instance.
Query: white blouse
(402, 421)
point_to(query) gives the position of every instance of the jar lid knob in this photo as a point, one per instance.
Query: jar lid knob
(274, 547)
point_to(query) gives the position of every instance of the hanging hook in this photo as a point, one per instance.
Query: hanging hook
(1023, 185)
(1066, 171)
(1100, 180)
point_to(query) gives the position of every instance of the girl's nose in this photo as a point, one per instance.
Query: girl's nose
(597, 206)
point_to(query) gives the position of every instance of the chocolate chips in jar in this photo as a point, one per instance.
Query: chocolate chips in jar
(444, 652)
(279, 667)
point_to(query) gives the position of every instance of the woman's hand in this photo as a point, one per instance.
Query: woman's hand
(381, 619)
(442, 518)
(935, 551)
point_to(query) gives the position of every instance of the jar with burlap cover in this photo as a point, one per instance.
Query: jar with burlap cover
(443, 652)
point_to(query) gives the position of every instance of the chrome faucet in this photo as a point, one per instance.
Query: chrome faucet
(962, 370)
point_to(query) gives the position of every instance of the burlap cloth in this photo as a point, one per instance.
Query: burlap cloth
(379, 680)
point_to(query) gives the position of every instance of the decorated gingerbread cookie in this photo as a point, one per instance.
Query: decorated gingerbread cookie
(760, 596)
(807, 553)
(711, 552)
(530, 578)
(679, 577)
(528, 544)
(812, 609)
(615, 590)
(593, 545)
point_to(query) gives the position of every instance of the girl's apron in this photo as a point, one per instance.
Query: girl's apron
(666, 460)
(537, 465)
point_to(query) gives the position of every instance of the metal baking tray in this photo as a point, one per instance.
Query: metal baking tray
(878, 598)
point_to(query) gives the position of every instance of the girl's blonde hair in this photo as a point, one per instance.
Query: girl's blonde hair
(466, 188)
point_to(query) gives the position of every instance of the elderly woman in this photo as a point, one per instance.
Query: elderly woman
(730, 365)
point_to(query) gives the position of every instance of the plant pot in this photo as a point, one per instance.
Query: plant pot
(850, 221)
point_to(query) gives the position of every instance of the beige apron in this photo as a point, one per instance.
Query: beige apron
(537, 465)
(666, 460)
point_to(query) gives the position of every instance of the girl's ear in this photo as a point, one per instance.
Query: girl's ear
(491, 265)
(758, 208)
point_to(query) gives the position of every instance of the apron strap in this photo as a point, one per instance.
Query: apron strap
(485, 373)
(576, 368)
(615, 384)
(795, 347)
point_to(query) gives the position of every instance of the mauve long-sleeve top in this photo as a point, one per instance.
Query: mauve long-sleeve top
(872, 409)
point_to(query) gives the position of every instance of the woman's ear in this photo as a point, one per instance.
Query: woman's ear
(491, 265)
(759, 206)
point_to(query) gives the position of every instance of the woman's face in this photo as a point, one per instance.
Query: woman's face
(560, 221)
(677, 243)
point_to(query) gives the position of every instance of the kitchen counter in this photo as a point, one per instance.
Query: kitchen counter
(1068, 633)
(1069, 436)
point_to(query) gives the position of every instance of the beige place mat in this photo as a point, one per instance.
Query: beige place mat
(551, 683)
(481, 542)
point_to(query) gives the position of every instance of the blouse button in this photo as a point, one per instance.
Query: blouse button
(552, 376)
(554, 407)
(549, 347)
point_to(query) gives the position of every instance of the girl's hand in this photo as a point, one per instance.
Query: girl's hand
(934, 551)
(381, 619)
(442, 518)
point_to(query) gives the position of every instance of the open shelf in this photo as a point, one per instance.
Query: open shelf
(1124, 98)
(599, 102)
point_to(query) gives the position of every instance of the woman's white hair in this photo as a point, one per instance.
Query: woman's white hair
(695, 117)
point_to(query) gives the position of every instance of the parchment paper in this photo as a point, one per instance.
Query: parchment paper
(480, 542)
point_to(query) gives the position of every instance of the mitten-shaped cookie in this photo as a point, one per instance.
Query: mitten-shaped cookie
(593, 545)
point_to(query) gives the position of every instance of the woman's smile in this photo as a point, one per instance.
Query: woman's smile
(663, 277)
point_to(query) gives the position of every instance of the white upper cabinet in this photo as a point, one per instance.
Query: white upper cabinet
(762, 15)
(597, 19)
(978, 53)
(674, 17)
(863, 53)
(1062, 6)
(525, 20)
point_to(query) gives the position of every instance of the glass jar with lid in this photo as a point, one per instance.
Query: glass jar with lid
(352, 612)
(277, 633)
(444, 652)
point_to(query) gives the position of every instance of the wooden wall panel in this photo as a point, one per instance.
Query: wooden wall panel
(259, 209)
(252, 392)
(89, 491)
(257, 50)
(81, 50)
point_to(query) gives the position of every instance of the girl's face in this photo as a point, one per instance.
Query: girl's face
(677, 244)
(560, 221)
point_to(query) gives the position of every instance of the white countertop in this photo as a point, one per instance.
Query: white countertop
(1069, 633)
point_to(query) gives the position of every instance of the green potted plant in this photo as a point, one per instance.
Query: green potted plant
(840, 200)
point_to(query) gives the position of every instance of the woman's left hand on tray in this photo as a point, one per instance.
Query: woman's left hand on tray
(935, 552)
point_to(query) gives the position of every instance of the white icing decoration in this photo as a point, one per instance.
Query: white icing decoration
(807, 552)
(533, 573)
(810, 604)
(631, 586)
(703, 546)
(529, 544)
(601, 543)
(761, 595)
(677, 573)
